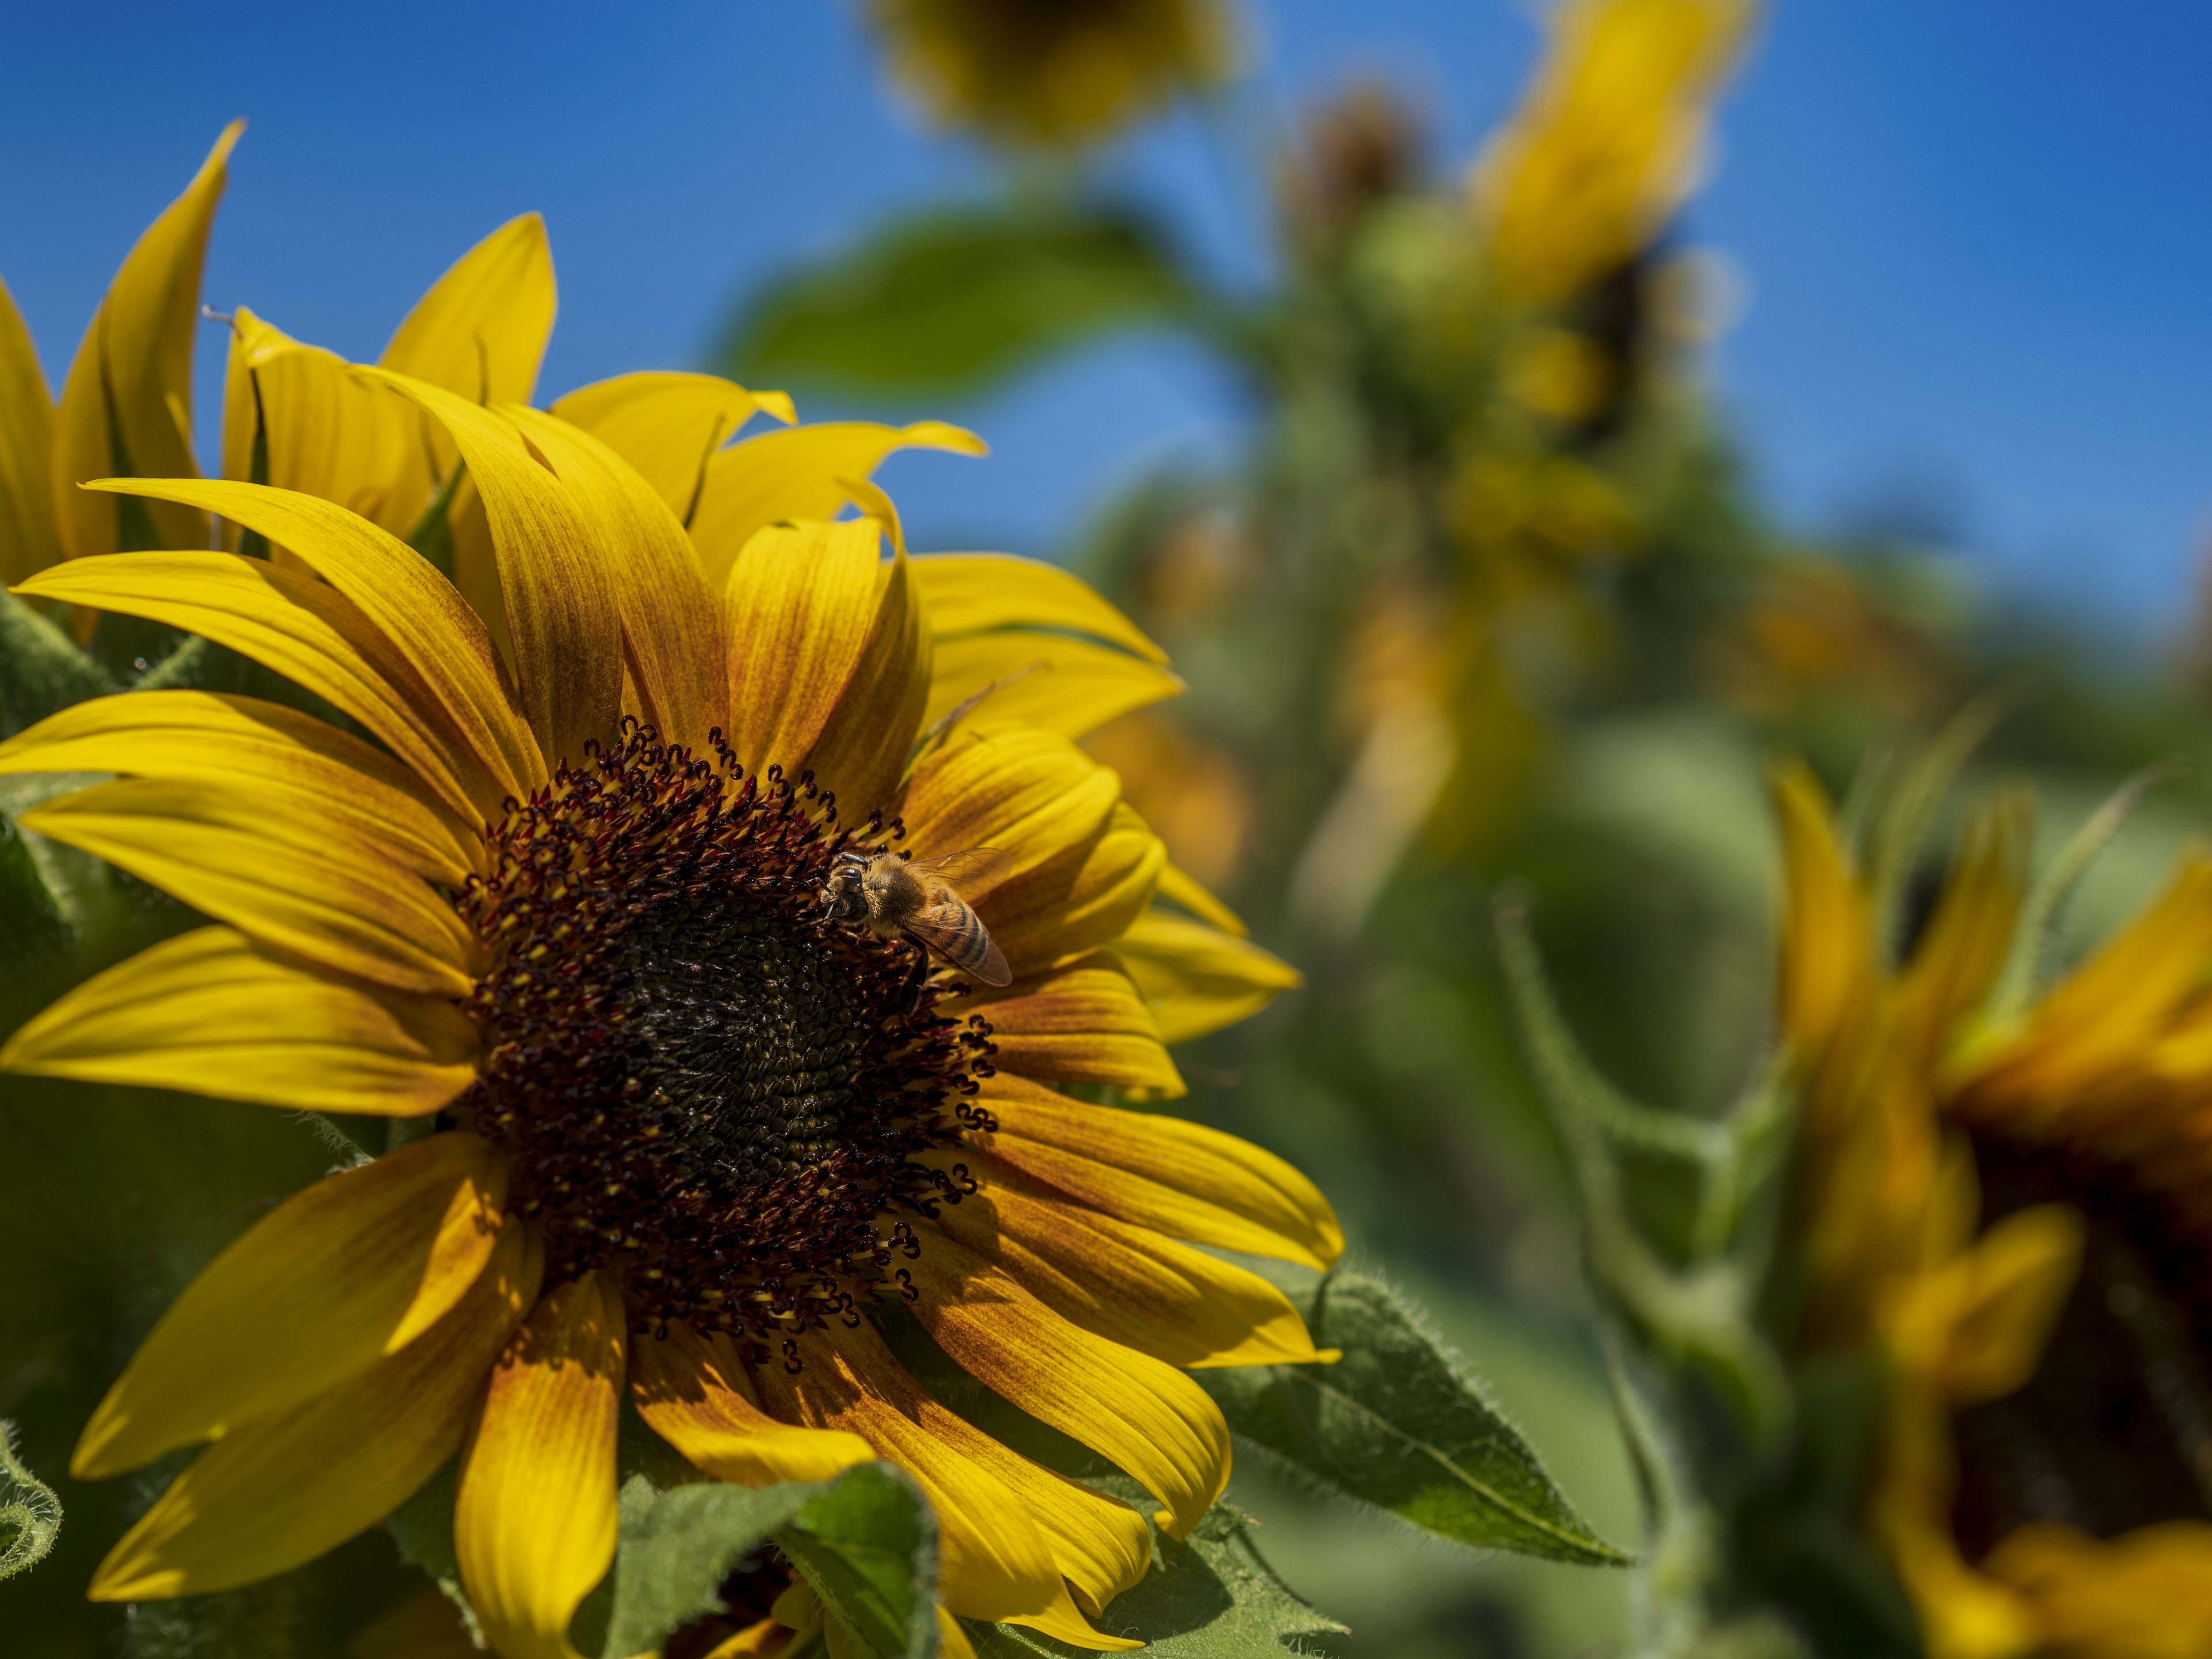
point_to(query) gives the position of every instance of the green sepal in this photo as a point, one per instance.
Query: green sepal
(1395, 1423)
(42, 669)
(958, 298)
(30, 1514)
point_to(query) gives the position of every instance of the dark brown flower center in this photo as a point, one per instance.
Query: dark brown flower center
(704, 1083)
(2114, 1430)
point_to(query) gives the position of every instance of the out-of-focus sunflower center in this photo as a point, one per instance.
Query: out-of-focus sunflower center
(2114, 1430)
(704, 1084)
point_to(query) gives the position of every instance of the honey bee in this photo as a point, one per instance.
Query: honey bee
(929, 901)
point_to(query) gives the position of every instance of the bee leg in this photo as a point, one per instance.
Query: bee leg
(917, 980)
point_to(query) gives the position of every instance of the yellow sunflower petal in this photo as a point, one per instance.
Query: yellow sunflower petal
(318, 427)
(308, 632)
(985, 593)
(534, 1521)
(1198, 979)
(695, 1393)
(1827, 937)
(669, 425)
(1141, 1288)
(868, 739)
(672, 625)
(1086, 898)
(801, 602)
(556, 587)
(1964, 946)
(1178, 886)
(277, 758)
(994, 1563)
(1184, 1179)
(279, 1491)
(300, 883)
(332, 1280)
(2144, 1594)
(210, 1014)
(1050, 681)
(796, 475)
(1081, 1023)
(1032, 794)
(480, 329)
(127, 406)
(1145, 1417)
(952, 1642)
(408, 601)
(28, 541)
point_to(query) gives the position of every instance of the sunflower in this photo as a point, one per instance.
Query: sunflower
(658, 1124)
(2007, 1199)
(1052, 76)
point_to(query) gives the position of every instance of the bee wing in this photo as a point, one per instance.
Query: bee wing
(971, 873)
(957, 933)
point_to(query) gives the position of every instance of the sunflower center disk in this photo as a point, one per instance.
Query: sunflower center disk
(703, 1083)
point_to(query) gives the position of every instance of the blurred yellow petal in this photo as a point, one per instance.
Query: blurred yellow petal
(279, 1491)
(1826, 934)
(1177, 886)
(334, 1278)
(1198, 979)
(669, 425)
(534, 1520)
(28, 540)
(279, 759)
(671, 626)
(208, 1014)
(2145, 1595)
(317, 427)
(1082, 1023)
(127, 406)
(801, 602)
(995, 1563)
(275, 881)
(868, 739)
(1979, 1323)
(695, 1392)
(798, 474)
(951, 1641)
(1145, 1417)
(480, 329)
(1188, 1181)
(306, 631)
(1965, 944)
(1141, 1288)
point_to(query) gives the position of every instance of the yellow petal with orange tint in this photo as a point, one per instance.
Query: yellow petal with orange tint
(1964, 946)
(1148, 1419)
(1826, 931)
(868, 739)
(303, 629)
(534, 1519)
(669, 425)
(1197, 979)
(1082, 1023)
(480, 329)
(798, 474)
(801, 603)
(126, 405)
(210, 1014)
(555, 553)
(334, 1278)
(275, 758)
(1182, 1178)
(1087, 897)
(994, 1563)
(1032, 794)
(696, 1394)
(279, 1491)
(299, 885)
(28, 541)
(2144, 1594)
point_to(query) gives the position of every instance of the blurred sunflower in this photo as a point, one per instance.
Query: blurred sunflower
(657, 1123)
(1053, 77)
(2009, 1202)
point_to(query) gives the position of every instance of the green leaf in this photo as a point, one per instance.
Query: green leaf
(1209, 1597)
(30, 1514)
(868, 1546)
(957, 298)
(676, 1548)
(41, 669)
(1396, 1424)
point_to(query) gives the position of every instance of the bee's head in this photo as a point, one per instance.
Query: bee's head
(843, 896)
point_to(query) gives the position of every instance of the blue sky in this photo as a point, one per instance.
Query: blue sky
(1976, 234)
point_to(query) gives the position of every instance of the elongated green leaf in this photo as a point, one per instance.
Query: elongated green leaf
(677, 1548)
(1396, 1424)
(1209, 1597)
(868, 1546)
(41, 668)
(30, 1514)
(957, 298)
